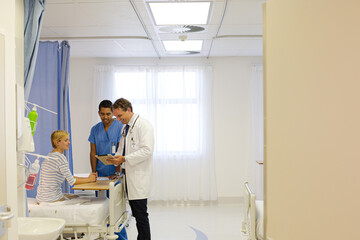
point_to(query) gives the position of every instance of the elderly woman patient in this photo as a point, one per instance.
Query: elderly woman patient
(55, 169)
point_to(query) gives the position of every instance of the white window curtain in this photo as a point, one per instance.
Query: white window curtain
(256, 129)
(178, 100)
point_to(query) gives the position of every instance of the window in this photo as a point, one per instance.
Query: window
(178, 101)
(172, 97)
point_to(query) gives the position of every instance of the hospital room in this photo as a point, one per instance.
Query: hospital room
(246, 111)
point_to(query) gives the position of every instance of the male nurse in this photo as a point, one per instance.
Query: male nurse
(104, 139)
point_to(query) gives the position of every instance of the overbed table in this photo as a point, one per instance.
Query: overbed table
(99, 185)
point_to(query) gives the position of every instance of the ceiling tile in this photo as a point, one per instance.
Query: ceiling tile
(94, 18)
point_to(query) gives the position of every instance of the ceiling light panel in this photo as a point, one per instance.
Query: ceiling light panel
(177, 13)
(188, 45)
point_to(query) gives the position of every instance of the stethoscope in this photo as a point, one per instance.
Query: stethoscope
(123, 134)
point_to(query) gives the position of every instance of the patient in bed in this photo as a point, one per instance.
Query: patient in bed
(55, 169)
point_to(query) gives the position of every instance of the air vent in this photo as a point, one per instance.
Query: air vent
(181, 29)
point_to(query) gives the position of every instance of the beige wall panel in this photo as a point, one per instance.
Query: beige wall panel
(312, 101)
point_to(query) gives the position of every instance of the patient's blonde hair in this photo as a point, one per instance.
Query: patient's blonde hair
(58, 135)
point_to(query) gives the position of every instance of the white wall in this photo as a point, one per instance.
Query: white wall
(12, 28)
(231, 107)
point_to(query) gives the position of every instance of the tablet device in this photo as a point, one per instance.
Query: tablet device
(103, 158)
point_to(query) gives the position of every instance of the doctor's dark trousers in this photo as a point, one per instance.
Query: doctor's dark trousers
(139, 211)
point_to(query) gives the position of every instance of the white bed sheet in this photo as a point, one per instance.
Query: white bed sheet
(93, 211)
(259, 205)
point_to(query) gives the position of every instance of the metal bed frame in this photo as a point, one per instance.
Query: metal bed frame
(249, 223)
(118, 216)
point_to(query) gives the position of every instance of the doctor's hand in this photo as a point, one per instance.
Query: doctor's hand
(116, 160)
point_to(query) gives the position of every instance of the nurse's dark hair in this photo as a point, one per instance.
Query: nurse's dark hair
(106, 104)
(123, 104)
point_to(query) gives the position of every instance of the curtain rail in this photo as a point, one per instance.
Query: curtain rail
(144, 27)
(94, 38)
(217, 32)
(239, 36)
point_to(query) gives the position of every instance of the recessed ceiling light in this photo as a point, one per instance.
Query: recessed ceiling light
(181, 29)
(188, 45)
(177, 13)
(182, 52)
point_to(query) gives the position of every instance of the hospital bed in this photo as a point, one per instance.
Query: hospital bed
(253, 224)
(89, 215)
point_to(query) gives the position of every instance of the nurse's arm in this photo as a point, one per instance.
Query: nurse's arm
(118, 168)
(93, 160)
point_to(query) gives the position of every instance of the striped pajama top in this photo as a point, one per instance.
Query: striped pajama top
(53, 172)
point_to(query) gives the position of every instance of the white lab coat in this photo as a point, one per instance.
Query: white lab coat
(138, 157)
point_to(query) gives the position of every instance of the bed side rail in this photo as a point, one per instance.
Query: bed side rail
(117, 208)
(249, 223)
(117, 204)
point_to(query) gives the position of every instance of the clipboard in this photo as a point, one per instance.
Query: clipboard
(103, 158)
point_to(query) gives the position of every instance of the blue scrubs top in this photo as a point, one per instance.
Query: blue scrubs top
(103, 142)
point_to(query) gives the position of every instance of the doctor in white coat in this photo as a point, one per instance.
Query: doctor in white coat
(135, 153)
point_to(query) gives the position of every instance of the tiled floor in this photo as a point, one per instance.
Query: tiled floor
(193, 222)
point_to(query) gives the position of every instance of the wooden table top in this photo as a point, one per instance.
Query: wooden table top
(98, 185)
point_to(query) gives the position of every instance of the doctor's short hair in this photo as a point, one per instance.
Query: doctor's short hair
(106, 104)
(123, 104)
(58, 135)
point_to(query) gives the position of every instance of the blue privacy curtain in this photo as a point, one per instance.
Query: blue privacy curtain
(64, 103)
(33, 15)
(50, 89)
